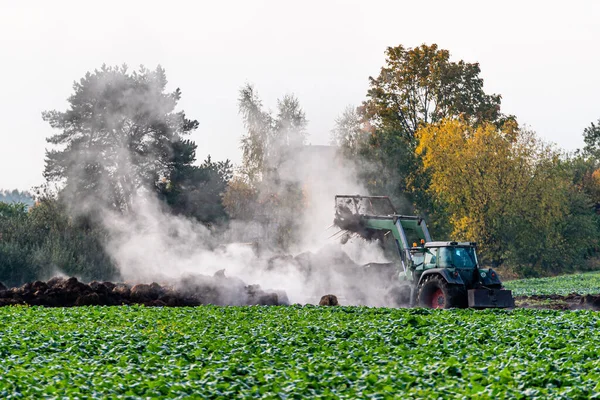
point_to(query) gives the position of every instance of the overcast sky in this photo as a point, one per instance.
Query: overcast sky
(543, 59)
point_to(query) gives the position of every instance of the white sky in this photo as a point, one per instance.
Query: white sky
(542, 56)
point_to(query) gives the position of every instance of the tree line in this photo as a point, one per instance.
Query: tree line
(16, 196)
(427, 134)
(473, 171)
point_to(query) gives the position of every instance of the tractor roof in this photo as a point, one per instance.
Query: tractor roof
(450, 244)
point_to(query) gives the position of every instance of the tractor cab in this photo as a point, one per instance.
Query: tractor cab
(458, 258)
(460, 255)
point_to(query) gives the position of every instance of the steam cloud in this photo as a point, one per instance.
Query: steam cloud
(149, 244)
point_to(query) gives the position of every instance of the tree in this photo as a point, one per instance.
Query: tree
(585, 172)
(269, 138)
(240, 199)
(508, 191)
(585, 165)
(416, 87)
(591, 137)
(349, 132)
(197, 191)
(421, 85)
(119, 136)
(16, 196)
(43, 241)
(258, 124)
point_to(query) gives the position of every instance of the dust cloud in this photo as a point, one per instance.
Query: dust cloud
(149, 244)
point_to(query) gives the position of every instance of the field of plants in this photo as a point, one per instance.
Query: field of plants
(587, 283)
(297, 352)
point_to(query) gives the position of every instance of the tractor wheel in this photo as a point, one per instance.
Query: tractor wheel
(435, 292)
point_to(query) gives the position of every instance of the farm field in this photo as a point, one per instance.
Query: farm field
(586, 283)
(297, 352)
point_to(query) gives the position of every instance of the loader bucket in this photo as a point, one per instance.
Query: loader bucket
(490, 298)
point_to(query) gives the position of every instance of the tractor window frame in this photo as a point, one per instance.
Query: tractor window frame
(448, 257)
(431, 258)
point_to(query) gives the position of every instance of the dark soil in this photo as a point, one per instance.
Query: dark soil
(190, 291)
(328, 300)
(572, 301)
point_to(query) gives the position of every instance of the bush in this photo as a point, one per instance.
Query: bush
(44, 241)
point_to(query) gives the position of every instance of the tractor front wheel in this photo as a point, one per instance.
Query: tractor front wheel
(437, 293)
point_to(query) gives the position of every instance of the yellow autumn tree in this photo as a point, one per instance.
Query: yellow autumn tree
(500, 187)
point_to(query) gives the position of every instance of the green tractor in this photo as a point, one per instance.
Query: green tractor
(427, 273)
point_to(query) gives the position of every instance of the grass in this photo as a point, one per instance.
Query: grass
(585, 283)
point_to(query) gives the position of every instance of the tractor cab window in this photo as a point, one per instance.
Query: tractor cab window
(430, 259)
(418, 259)
(458, 257)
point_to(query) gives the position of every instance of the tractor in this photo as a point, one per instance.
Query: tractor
(426, 273)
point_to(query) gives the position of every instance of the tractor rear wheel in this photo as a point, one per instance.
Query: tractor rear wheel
(435, 292)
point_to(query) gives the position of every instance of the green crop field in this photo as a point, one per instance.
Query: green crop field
(297, 352)
(587, 283)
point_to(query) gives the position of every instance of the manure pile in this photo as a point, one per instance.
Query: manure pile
(190, 291)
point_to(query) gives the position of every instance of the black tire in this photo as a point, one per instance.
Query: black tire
(436, 287)
(399, 296)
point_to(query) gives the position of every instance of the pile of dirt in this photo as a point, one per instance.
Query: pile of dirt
(572, 301)
(192, 290)
(329, 300)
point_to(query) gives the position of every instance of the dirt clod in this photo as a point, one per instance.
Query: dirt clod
(571, 301)
(328, 300)
(91, 299)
